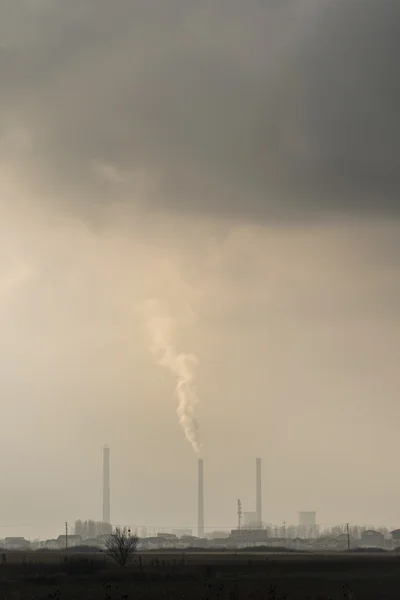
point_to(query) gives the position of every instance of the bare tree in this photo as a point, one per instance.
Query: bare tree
(122, 545)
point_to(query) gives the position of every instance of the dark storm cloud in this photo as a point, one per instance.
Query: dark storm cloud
(252, 108)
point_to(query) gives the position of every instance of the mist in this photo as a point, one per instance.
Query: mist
(247, 181)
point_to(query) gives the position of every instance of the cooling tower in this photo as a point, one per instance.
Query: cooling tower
(200, 501)
(307, 518)
(258, 493)
(106, 485)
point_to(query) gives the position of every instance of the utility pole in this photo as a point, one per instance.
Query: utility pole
(66, 535)
(348, 536)
(239, 513)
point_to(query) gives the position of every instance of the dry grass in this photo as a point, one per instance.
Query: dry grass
(201, 576)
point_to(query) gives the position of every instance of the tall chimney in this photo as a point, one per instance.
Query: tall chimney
(200, 501)
(258, 493)
(106, 484)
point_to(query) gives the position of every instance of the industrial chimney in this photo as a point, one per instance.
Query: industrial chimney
(200, 501)
(106, 484)
(258, 493)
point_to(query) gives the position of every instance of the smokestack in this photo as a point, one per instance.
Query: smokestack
(200, 501)
(258, 493)
(106, 484)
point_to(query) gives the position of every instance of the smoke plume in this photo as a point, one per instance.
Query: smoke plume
(160, 325)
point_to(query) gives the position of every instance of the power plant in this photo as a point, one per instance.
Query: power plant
(106, 484)
(200, 500)
(251, 519)
(250, 526)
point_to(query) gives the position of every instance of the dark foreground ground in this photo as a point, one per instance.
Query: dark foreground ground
(201, 576)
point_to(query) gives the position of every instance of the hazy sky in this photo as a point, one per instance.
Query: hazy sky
(239, 161)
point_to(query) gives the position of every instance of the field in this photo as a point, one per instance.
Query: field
(201, 576)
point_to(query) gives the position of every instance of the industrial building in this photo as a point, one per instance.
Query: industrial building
(307, 524)
(250, 520)
(249, 535)
(182, 532)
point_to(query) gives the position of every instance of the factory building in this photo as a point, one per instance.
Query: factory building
(250, 520)
(249, 535)
(182, 532)
(307, 524)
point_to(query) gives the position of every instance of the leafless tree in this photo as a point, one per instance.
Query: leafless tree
(122, 545)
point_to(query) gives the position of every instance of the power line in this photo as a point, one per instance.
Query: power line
(20, 525)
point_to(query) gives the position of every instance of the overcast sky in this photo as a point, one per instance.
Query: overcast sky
(239, 161)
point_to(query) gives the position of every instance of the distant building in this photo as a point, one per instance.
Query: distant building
(300, 544)
(189, 539)
(181, 532)
(307, 524)
(328, 543)
(250, 520)
(167, 536)
(372, 539)
(162, 540)
(50, 545)
(217, 535)
(69, 541)
(343, 541)
(93, 543)
(249, 535)
(396, 537)
(16, 543)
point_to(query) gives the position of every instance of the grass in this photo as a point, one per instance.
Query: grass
(202, 576)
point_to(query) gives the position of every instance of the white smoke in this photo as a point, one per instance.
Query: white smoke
(160, 326)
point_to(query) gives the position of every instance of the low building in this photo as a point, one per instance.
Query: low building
(343, 541)
(395, 537)
(154, 542)
(93, 543)
(167, 536)
(254, 534)
(372, 539)
(299, 543)
(69, 541)
(182, 532)
(189, 539)
(49, 545)
(327, 543)
(217, 535)
(16, 543)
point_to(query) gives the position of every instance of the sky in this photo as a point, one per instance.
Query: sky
(239, 164)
